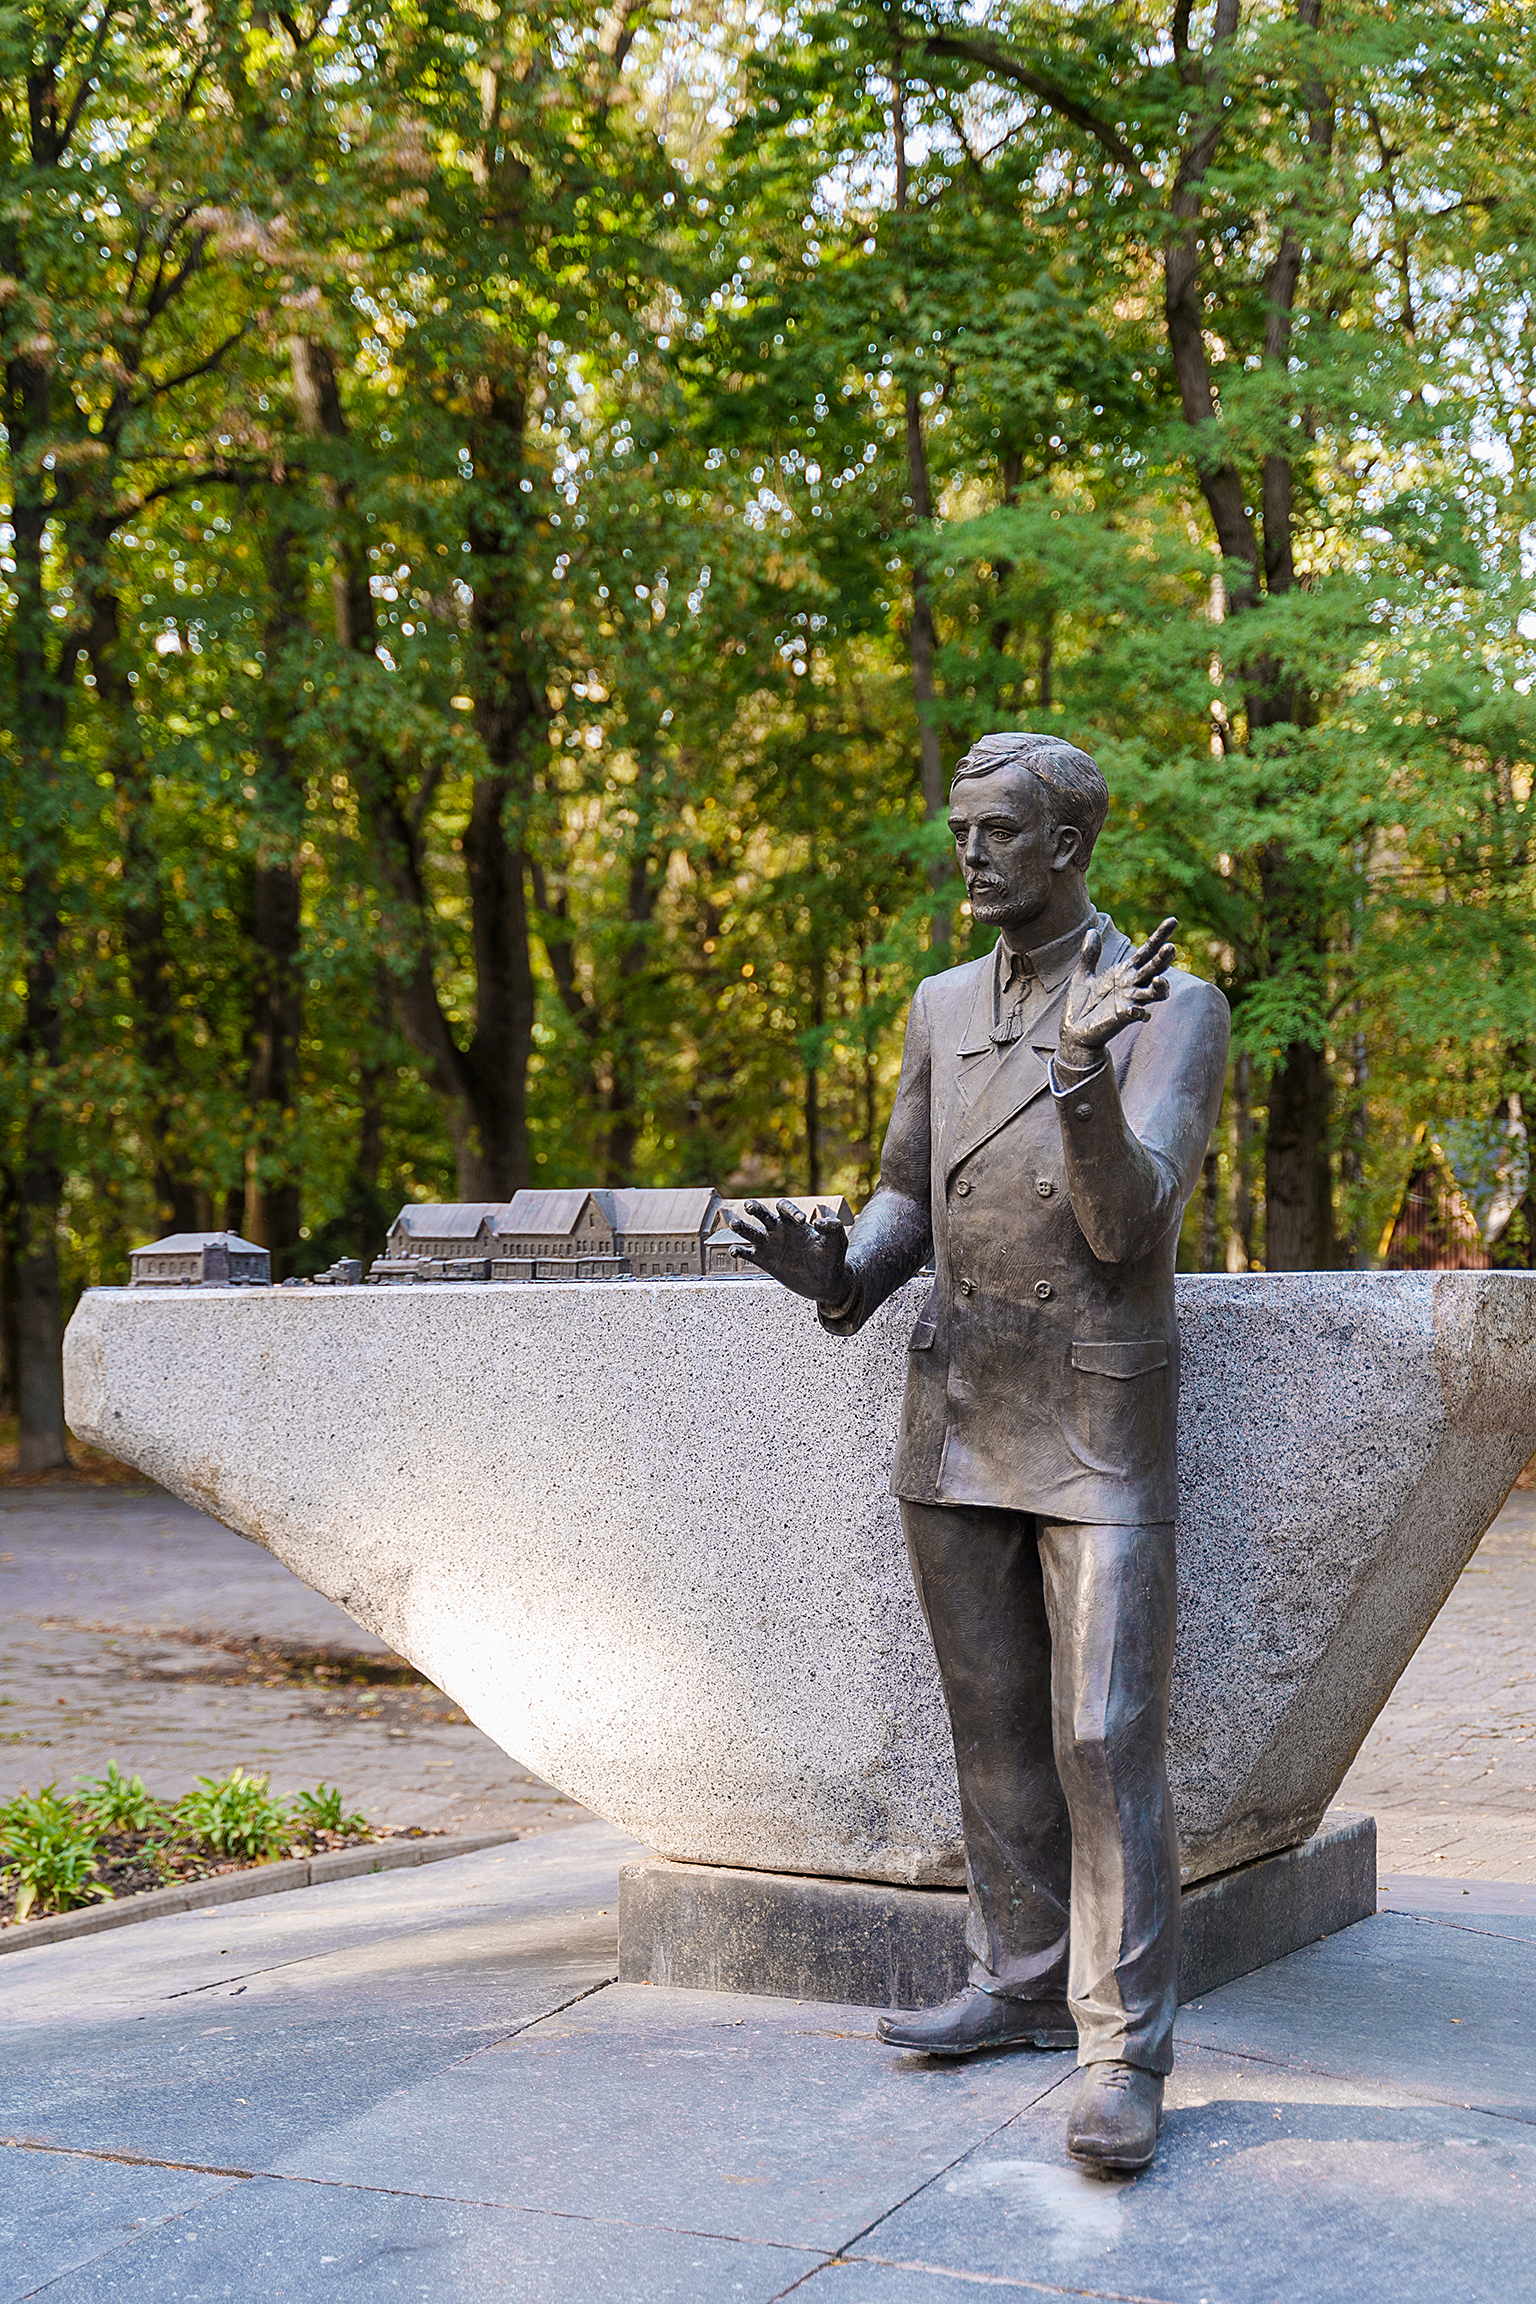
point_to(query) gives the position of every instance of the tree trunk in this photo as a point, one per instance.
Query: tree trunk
(1242, 1157)
(39, 1189)
(10, 1356)
(510, 713)
(922, 633)
(813, 1075)
(273, 1192)
(482, 1087)
(146, 940)
(625, 1118)
(1298, 1183)
(1210, 1208)
(40, 719)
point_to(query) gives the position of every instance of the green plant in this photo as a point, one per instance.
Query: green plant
(118, 1803)
(49, 1848)
(237, 1817)
(321, 1811)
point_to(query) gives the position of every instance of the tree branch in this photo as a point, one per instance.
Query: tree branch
(992, 58)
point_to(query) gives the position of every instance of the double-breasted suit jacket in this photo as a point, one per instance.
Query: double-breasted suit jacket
(1043, 1370)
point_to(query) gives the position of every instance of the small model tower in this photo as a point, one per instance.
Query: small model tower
(200, 1260)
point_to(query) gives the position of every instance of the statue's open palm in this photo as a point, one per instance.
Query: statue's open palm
(807, 1256)
(1103, 1001)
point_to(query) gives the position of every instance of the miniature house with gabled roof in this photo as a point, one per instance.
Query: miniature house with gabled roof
(200, 1260)
(439, 1240)
(663, 1230)
(575, 1232)
(445, 1229)
(557, 1234)
(601, 1232)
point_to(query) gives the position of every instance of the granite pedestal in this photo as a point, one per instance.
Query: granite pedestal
(643, 1533)
(717, 1928)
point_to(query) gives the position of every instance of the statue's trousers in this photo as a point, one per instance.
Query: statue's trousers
(1055, 1647)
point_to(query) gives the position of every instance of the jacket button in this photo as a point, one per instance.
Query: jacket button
(1045, 1187)
(1044, 1290)
(1082, 1111)
(963, 1186)
(965, 1287)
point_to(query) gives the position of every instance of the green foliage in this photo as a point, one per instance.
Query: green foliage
(118, 1803)
(322, 1811)
(459, 639)
(49, 1853)
(234, 1816)
(53, 1846)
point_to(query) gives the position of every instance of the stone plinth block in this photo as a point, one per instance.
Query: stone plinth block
(642, 1534)
(709, 1928)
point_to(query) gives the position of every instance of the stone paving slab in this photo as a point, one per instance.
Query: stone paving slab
(261, 2238)
(425, 2084)
(59, 2211)
(1300, 2189)
(228, 2037)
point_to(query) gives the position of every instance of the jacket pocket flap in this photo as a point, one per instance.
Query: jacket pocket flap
(1137, 1357)
(922, 1336)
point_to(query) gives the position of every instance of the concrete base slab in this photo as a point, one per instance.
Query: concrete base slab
(713, 1928)
(427, 2084)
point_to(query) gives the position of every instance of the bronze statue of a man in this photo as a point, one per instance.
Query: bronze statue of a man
(1055, 1104)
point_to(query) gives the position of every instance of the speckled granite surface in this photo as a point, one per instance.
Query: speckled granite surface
(641, 1532)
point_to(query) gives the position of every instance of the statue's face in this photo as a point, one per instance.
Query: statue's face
(1007, 849)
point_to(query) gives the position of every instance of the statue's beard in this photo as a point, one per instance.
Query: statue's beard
(997, 907)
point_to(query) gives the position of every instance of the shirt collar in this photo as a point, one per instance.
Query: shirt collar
(1052, 963)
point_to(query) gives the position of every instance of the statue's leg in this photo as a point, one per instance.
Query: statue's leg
(978, 1577)
(1111, 1596)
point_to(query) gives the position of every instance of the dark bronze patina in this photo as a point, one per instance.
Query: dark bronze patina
(1055, 1103)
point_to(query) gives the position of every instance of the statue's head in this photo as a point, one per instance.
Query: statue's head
(1025, 811)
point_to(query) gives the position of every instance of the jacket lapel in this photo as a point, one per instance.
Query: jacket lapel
(988, 1092)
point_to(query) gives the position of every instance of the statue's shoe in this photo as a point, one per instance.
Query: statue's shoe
(1112, 2126)
(975, 2021)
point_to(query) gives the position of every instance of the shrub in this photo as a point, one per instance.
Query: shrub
(237, 1817)
(321, 1811)
(117, 1803)
(50, 1849)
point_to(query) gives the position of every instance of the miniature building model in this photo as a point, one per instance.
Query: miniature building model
(557, 1235)
(440, 1240)
(604, 1232)
(582, 1232)
(720, 1259)
(664, 1231)
(200, 1260)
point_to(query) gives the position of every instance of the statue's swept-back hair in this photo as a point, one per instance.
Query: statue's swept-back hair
(1079, 794)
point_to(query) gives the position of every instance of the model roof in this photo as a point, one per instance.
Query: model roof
(809, 1204)
(667, 1208)
(553, 1214)
(681, 1208)
(189, 1244)
(446, 1219)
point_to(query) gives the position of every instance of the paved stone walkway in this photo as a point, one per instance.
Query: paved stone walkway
(1449, 1770)
(428, 2084)
(103, 1596)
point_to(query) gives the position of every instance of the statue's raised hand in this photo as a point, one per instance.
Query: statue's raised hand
(807, 1257)
(1102, 1001)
